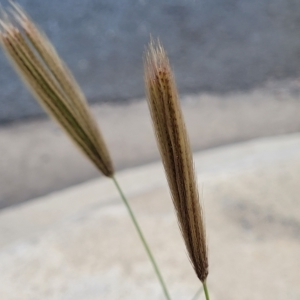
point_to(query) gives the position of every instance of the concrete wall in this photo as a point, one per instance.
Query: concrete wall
(214, 45)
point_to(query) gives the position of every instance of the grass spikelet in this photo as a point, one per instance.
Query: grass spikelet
(53, 85)
(176, 154)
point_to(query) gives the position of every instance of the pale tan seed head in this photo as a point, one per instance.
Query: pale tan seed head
(52, 84)
(176, 154)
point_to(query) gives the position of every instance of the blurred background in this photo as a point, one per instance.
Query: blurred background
(237, 66)
(236, 63)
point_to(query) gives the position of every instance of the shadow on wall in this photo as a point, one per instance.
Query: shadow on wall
(214, 45)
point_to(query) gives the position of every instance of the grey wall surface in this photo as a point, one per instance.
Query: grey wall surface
(214, 45)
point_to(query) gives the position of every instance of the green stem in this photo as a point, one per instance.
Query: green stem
(205, 290)
(197, 294)
(140, 233)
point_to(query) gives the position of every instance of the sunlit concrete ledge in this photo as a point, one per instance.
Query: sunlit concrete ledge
(79, 244)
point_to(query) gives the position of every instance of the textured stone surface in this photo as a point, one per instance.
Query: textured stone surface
(214, 45)
(37, 157)
(80, 243)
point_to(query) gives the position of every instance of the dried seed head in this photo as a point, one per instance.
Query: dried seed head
(176, 154)
(53, 85)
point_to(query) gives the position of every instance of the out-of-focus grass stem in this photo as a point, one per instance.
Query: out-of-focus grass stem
(141, 235)
(198, 293)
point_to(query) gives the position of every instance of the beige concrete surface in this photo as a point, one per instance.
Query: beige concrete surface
(80, 244)
(36, 157)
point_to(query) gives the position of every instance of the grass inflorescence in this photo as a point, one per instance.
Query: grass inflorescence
(53, 85)
(176, 154)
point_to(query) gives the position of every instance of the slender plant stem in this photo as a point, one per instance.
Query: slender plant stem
(198, 293)
(140, 233)
(205, 290)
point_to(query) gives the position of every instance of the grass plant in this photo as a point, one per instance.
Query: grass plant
(176, 154)
(55, 88)
(53, 85)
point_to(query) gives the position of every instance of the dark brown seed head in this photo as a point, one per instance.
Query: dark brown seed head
(176, 154)
(53, 85)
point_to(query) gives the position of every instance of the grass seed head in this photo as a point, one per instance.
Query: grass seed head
(176, 154)
(52, 84)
